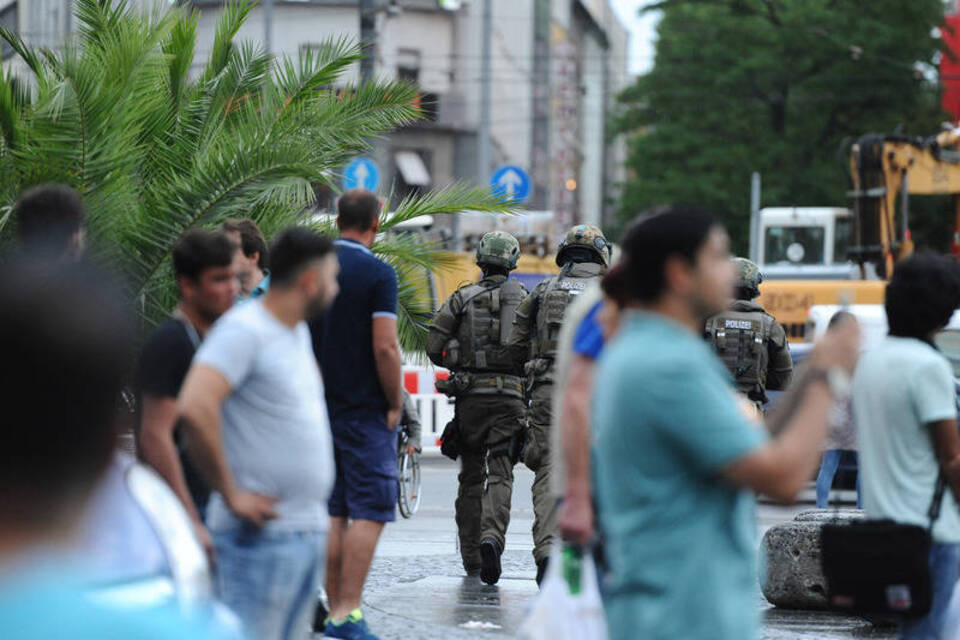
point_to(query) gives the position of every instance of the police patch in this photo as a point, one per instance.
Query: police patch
(738, 324)
(571, 285)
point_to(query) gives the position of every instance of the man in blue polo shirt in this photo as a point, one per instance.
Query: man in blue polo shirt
(356, 343)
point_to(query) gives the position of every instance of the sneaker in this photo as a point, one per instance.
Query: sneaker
(490, 559)
(353, 628)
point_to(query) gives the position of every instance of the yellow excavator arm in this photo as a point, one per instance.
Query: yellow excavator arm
(885, 170)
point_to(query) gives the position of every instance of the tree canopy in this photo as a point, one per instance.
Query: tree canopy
(776, 86)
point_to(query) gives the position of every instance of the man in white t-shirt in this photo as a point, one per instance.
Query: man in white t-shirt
(904, 403)
(270, 457)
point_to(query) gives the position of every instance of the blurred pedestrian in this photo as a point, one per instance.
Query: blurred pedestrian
(467, 336)
(905, 406)
(207, 284)
(68, 344)
(751, 343)
(410, 424)
(841, 444)
(359, 352)
(253, 256)
(580, 343)
(583, 257)
(257, 427)
(50, 223)
(677, 451)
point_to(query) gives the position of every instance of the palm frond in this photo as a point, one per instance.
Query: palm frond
(234, 14)
(30, 57)
(454, 199)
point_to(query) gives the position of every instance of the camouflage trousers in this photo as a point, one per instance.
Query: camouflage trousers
(537, 457)
(486, 425)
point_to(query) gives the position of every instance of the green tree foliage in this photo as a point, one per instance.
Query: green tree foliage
(776, 86)
(156, 148)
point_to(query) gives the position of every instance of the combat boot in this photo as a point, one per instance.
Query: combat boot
(490, 561)
(541, 570)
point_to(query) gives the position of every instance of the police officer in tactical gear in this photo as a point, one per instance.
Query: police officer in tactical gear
(749, 340)
(583, 257)
(467, 336)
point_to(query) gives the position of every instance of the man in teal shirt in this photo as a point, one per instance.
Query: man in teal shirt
(677, 452)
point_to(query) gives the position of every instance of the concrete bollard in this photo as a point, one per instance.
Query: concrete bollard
(790, 572)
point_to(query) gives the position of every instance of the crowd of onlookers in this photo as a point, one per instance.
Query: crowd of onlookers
(274, 473)
(268, 403)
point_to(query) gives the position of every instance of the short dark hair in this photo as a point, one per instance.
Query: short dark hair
(922, 295)
(251, 239)
(357, 209)
(48, 215)
(67, 339)
(648, 243)
(293, 250)
(745, 293)
(200, 249)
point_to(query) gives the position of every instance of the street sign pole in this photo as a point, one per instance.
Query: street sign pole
(368, 38)
(268, 25)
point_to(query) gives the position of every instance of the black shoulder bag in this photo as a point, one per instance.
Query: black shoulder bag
(880, 566)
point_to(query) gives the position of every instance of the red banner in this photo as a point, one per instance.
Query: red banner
(950, 66)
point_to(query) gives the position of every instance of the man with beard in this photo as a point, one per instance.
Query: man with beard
(207, 281)
(257, 427)
(677, 454)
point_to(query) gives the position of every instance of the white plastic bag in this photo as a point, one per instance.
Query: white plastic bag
(558, 614)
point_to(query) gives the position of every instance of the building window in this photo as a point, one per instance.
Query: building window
(8, 19)
(408, 65)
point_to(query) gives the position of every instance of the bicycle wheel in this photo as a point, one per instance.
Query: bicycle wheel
(415, 485)
(408, 481)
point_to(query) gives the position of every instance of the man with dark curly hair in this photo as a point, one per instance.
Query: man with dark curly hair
(905, 406)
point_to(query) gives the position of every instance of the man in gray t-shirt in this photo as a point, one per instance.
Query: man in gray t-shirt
(257, 426)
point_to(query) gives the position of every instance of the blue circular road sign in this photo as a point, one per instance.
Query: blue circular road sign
(512, 182)
(362, 172)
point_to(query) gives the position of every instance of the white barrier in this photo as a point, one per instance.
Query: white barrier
(435, 410)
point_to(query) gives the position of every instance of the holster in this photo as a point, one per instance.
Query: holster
(450, 440)
(518, 442)
(455, 385)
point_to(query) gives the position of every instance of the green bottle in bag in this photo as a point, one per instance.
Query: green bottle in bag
(572, 568)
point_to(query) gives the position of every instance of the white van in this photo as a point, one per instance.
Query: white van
(873, 327)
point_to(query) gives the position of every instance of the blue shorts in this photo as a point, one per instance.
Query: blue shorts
(365, 488)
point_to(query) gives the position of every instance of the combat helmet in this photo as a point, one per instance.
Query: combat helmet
(498, 248)
(588, 237)
(748, 277)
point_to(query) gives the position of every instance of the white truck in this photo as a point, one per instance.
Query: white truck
(805, 243)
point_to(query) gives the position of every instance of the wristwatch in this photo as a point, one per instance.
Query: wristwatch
(836, 379)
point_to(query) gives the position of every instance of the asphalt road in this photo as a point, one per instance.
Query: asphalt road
(417, 588)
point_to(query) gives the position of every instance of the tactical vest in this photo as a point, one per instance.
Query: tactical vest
(554, 300)
(486, 319)
(740, 339)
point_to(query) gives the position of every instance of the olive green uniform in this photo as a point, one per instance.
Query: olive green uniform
(467, 336)
(749, 340)
(533, 341)
(754, 348)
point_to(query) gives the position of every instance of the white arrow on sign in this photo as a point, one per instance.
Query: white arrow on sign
(510, 180)
(361, 173)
